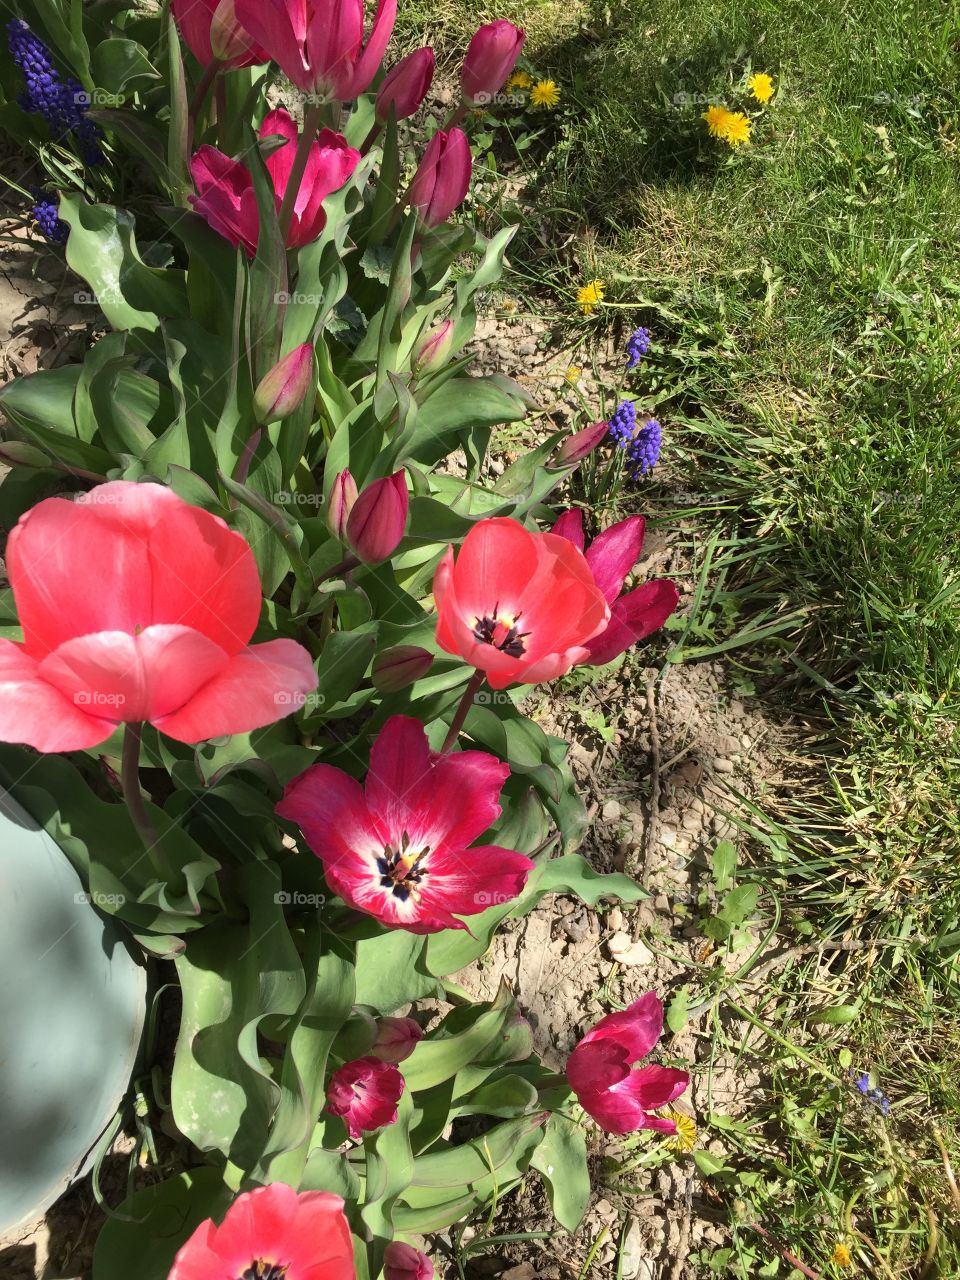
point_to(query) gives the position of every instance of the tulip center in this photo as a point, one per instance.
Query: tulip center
(260, 1269)
(401, 869)
(502, 630)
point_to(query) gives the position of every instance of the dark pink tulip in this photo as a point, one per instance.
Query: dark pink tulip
(286, 386)
(619, 1096)
(378, 518)
(400, 667)
(443, 178)
(406, 85)
(137, 606)
(205, 23)
(611, 556)
(225, 195)
(342, 498)
(318, 44)
(492, 55)
(434, 351)
(581, 444)
(365, 1093)
(396, 1039)
(403, 1262)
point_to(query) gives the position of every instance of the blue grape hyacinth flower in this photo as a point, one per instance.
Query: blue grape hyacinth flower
(638, 344)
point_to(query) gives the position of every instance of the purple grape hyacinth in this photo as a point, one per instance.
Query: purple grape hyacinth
(63, 104)
(638, 344)
(45, 212)
(642, 444)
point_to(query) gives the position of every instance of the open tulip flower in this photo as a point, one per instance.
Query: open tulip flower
(520, 606)
(271, 1233)
(318, 44)
(364, 1094)
(136, 606)
(611, 556)
(195, 18)
(619, 1096)
(225, 194)
(398, 847)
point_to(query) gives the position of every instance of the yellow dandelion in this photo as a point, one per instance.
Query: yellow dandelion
(520, 80)
(589, 295)
(841, 1255)
(761, 86)
(685, 1139)
(509, 306)
(573, 374)
(716, 118)
(737, 129)
(546, 94)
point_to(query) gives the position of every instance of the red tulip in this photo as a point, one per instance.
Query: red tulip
(378, 518)
(397, 848)
(136, 606)
(443, 178)
(318, 44)
(308, 1231)
(365, 1093)
(203, 23)
(581, 444)
(520, 606)
(342, 498)
(396, 1039)
(406, 85)
(285, 387)
(600, 1071)
(398, 668)
(611, 556)
(492, 55)
(403, 1262)
(225, 195)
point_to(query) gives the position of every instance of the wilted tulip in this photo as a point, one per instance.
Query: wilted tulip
(399, 667)
(406, 85)
(286, 386)
(396, 1039)
(443, 177)
(378, 519)
(434, 351)
(365, 1093)
(403, 1262)
(492, 55)
(342, 498)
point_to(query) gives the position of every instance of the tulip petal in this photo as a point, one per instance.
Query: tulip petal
(637, 1028)
(632, 618)
(329, 807)
(465, 882)
(596, 1067)
(570, 526)
(280, 28)
(260, 685)
(613, 553)
(366, 65)
(654, 1086)
(36, 714)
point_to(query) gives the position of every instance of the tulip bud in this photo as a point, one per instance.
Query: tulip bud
(406, 85)
(492, 55)
(443, 178)
(434, 350)
(285, 387)
(576, 447)
(399, 667)
(396, 1039)
(403, 1262)
(341, 502)
(378, 518)
(228, 39)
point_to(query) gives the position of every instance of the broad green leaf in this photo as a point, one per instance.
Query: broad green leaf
(438, 1058)
(562, 1160)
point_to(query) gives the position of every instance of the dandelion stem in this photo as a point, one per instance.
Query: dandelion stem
(466, 702)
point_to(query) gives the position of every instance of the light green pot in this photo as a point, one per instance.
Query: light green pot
(72, 1000)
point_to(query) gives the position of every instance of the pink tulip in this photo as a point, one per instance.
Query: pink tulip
(365, 1093)
(396, 1039)
(318, 44)
(443, 178)
(400, 848)
(400, 667)
(342, 498)
(403, 1262)
(225, 195)
(406, 85)
(581, 444)
(491, 57)
(309, 1231)
(205, 23)
(136, 606)
(286, 386)
(378, 518)
(611, 556)
(617, 1095)
(434, 351)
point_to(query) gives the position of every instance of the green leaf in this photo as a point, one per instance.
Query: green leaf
(506, 1147)
(724, 863)
(710, 1165)
(561, 1158)
(119, 65)
(441, 1056)
(460, 404)
(389, 972)
(837, 1015)
(678, 1011)
(389, 1166)
(506, 1096)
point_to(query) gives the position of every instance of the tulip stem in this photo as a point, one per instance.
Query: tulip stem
(311, 127)
(371, 138)
(246, 458)
(130, 781)
(210, 73)
(466, 702)
(455, 117)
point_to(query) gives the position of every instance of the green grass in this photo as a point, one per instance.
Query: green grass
(805, 296)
